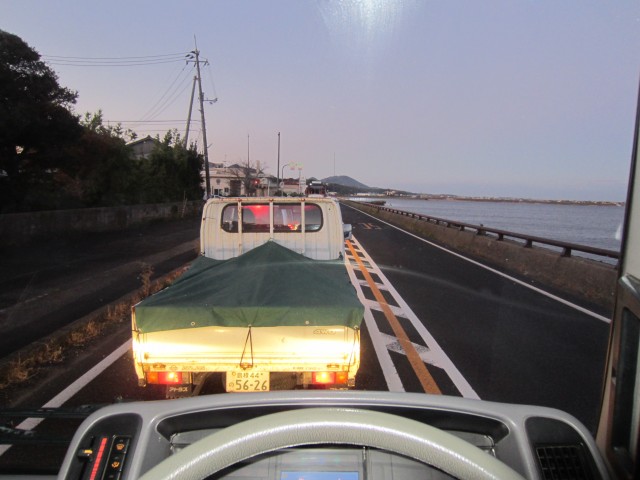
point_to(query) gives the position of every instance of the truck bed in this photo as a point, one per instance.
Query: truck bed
(269, 286)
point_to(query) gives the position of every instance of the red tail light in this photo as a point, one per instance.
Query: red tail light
(342, 377)
(164, 378)
(323, 378)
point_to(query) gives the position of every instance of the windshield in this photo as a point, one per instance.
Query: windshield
(480, 152)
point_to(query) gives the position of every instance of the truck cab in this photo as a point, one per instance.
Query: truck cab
(309, 226)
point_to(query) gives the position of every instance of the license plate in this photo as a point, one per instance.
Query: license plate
(246, 381)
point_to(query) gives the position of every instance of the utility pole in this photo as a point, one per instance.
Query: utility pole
(278, 169)
(204, 126)
(196, 53)
(186, 135)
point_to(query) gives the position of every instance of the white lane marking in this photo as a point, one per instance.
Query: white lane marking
(438, 356)
(71, 390)
(388, 368)
(394, 345)
(397, 311)
(380, 286)
(497, 272)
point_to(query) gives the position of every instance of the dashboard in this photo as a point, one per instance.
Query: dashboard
(330, 435)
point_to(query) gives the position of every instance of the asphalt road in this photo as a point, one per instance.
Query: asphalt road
(510, 343)
(48, 284)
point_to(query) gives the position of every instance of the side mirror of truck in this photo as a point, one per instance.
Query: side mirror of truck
(347, 229)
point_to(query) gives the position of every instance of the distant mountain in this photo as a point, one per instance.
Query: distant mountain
(345, 181)
(345, 185)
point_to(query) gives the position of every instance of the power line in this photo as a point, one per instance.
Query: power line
(63, 57)
(175, 89)
(171, 100)
(166, 90)
(151, 113)
(114, 61)
(153, 130)
(137, 125)
(72, 63)
(147, 121)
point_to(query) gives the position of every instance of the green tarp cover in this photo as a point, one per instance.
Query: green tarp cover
(268, 286)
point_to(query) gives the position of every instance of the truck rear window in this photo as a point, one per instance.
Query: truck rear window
(287, 217)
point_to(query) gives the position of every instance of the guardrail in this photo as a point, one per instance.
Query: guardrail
(566, 248)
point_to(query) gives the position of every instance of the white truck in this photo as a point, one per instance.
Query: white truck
(268, 303)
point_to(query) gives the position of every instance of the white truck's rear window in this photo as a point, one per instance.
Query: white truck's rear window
(287, 217)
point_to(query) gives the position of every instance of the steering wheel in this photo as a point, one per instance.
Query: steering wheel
(331, 426)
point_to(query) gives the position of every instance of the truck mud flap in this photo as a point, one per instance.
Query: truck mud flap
(179, 391)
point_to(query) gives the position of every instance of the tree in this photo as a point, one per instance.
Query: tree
(49, 158)
(248, 173)
(99, 169)
(94, 122)
(172, 172)
(36, 124)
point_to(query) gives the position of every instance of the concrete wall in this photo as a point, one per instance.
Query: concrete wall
(582, 278)
(16, 228)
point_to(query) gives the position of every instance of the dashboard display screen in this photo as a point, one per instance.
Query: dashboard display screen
(319, 476)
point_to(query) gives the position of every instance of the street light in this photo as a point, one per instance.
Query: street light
(296, 165)
(282, 177)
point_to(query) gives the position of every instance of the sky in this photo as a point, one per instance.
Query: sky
(502, 98)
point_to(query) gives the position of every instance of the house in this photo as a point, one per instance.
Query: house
(227, 181)
(224, 182)
(143, 147)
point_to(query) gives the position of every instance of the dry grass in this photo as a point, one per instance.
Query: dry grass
(86, 333)
(145, 277)
(19, 371)
(49, 354)
(117, 313)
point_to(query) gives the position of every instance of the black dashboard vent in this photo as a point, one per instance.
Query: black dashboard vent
(563, 462)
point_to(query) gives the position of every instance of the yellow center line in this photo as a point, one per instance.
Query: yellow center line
(426, 380)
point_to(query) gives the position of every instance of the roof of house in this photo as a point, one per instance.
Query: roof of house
(146, 139)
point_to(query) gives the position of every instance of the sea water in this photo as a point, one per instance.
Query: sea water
(591, 225)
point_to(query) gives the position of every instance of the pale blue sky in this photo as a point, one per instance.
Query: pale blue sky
(506, 98)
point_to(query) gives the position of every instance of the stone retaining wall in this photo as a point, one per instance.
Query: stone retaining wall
(16, 228)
